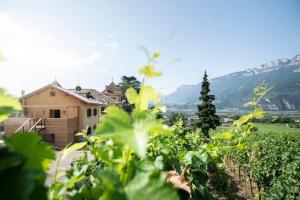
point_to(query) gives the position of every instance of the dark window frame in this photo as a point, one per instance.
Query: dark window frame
(54, 113)
(89, 112)
(95, 112)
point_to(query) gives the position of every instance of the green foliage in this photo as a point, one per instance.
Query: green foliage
(8, 105)
(118, 169)
(38, 154)
(23, 165)
(179, 152)
(126, 83)
(208, 119)
(131, 152)
(271, 158)
(175, 117)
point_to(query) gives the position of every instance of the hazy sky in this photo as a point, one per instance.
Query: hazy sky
(90, 42)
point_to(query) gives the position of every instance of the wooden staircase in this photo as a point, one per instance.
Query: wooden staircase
(36, 125)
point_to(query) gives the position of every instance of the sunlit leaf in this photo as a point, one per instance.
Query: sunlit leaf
(72, 148)
(115, 121)
(8, 105)
(149, 71)
(225, 135)
(250, 103)
(147, 94)
(242, 120)
(258, 113)
(155, 54)
(131, 95)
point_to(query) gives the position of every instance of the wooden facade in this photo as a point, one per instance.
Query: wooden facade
(56, 113)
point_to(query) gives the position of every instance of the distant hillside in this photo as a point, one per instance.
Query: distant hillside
(234, 89)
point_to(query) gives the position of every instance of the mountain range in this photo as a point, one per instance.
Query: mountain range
(233, 90)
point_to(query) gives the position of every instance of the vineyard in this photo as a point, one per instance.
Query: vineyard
(137, 156)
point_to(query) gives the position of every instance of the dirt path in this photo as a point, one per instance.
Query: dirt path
(63, 166)
(243, 191)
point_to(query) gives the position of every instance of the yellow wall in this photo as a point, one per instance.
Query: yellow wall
(92, 120)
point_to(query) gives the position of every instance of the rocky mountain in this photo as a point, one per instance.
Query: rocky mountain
(234, 89)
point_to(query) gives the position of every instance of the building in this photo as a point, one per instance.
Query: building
(113, 92)
(57, 114)
(113, 100)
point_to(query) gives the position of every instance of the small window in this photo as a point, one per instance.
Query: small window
(95, 111)
(89, 131)
(54, 113)
(102, 110)
(52, 93)
(94, 127)
(89, 112)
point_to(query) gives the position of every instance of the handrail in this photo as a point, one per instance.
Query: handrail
(23, 125)
(38, 121)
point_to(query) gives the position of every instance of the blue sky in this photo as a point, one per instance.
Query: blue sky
(91, 42)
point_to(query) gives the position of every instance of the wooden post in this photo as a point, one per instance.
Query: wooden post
(258, 186)
(239, 172)
(251, 191)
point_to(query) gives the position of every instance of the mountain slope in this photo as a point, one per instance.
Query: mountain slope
(234, 89)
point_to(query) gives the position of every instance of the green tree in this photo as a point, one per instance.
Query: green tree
(175, 117)
(127, 82)
(208, 119)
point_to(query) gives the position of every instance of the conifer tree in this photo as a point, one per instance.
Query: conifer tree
(208, 119)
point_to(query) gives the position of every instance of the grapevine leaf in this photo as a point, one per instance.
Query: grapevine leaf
(250, 103)
(147, 94)
(149, 71)
(72, 148)
(37, 153)
(131, 95)
(242, 120)
(258, 113)
(117, 125)
(113, 188)
(8, 105)
(150, 185)
(226, 135)
(155, 54)
(116, 121)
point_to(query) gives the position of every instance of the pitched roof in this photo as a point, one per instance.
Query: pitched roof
(56, 83)
(96, 95)
(112, 88)
(57, 86)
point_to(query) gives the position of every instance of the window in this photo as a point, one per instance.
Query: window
(89, 112)
(95, 111)
(102, 110)
(54, 113)
(94, 127)
(89, 131)
(52, 93)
